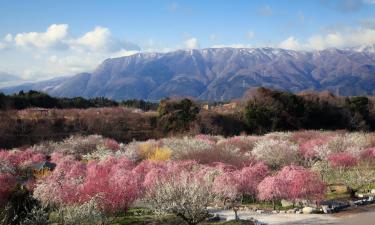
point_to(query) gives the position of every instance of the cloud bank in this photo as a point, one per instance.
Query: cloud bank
(33, 56)
(346, 38)
(55, 52)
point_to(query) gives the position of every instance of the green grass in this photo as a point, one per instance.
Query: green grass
(337, 195)
(268, 206)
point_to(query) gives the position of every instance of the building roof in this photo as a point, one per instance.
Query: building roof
(43, 165)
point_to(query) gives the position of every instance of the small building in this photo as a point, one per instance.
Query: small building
(42, 169)
(41, 111)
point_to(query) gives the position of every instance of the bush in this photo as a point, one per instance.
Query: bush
(276, 153)
(184, 195)
(176, 116)
(86, 213)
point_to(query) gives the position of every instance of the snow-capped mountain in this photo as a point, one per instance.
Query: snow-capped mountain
(220, 74)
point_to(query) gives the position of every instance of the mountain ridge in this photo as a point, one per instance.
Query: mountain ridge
(220, 74)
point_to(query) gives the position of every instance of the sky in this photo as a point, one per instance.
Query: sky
(42, 39)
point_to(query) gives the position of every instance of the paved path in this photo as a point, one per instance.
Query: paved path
(283, 219)
(364, 217)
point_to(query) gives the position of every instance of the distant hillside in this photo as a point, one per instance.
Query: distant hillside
(219, 74)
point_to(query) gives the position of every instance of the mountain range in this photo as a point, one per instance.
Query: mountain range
(218, 74)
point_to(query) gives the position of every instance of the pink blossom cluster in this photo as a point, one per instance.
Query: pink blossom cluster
(292, 183)
(309, 148)
(7, 183)
(232, 183)
(14, 165)
(342, 160)
(22, 158)
(112, 182)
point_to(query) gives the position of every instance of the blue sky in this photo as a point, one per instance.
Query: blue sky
(46, 38)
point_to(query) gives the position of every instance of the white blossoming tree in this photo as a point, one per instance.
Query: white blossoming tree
(185, 195)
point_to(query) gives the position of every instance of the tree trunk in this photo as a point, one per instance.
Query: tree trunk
(235, 215)
(352, 192)
(273, 204)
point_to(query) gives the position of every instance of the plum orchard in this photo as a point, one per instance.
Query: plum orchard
(96, 177)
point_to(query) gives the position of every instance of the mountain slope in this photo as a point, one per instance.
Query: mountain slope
(222, 74)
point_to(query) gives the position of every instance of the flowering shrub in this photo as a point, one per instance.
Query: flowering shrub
(301, 183)
(249, 177)
(282, 136)
(310, 149)
(160, 154)
(61, 187)
(8, 182)
(245, 144)
(209, 138)
(368, 154)
(272, 189)
(342, 160)
(23, 158)
(99, 174)
(352, 143)
(276, 153)
(292, 183)
(184, 195)
(304, 136)
(6, 167)
(181, 147)
(131, 151)
(225, 186)
(112, 145)
(78, 145)
(147, 149)
(99, 154)
(112, 182)
(86, 213)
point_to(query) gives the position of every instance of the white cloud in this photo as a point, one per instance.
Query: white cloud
(232, 46)
(100, 39)
(290, 43)
(250, 35)
(55, 52)
(191, 43)
(53, 36)
(347, 38)
(8, 38)
(122, 53)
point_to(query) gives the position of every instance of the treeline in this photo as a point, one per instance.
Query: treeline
(263, 111)
(270, 110)
(36, 99)
(31, 99)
